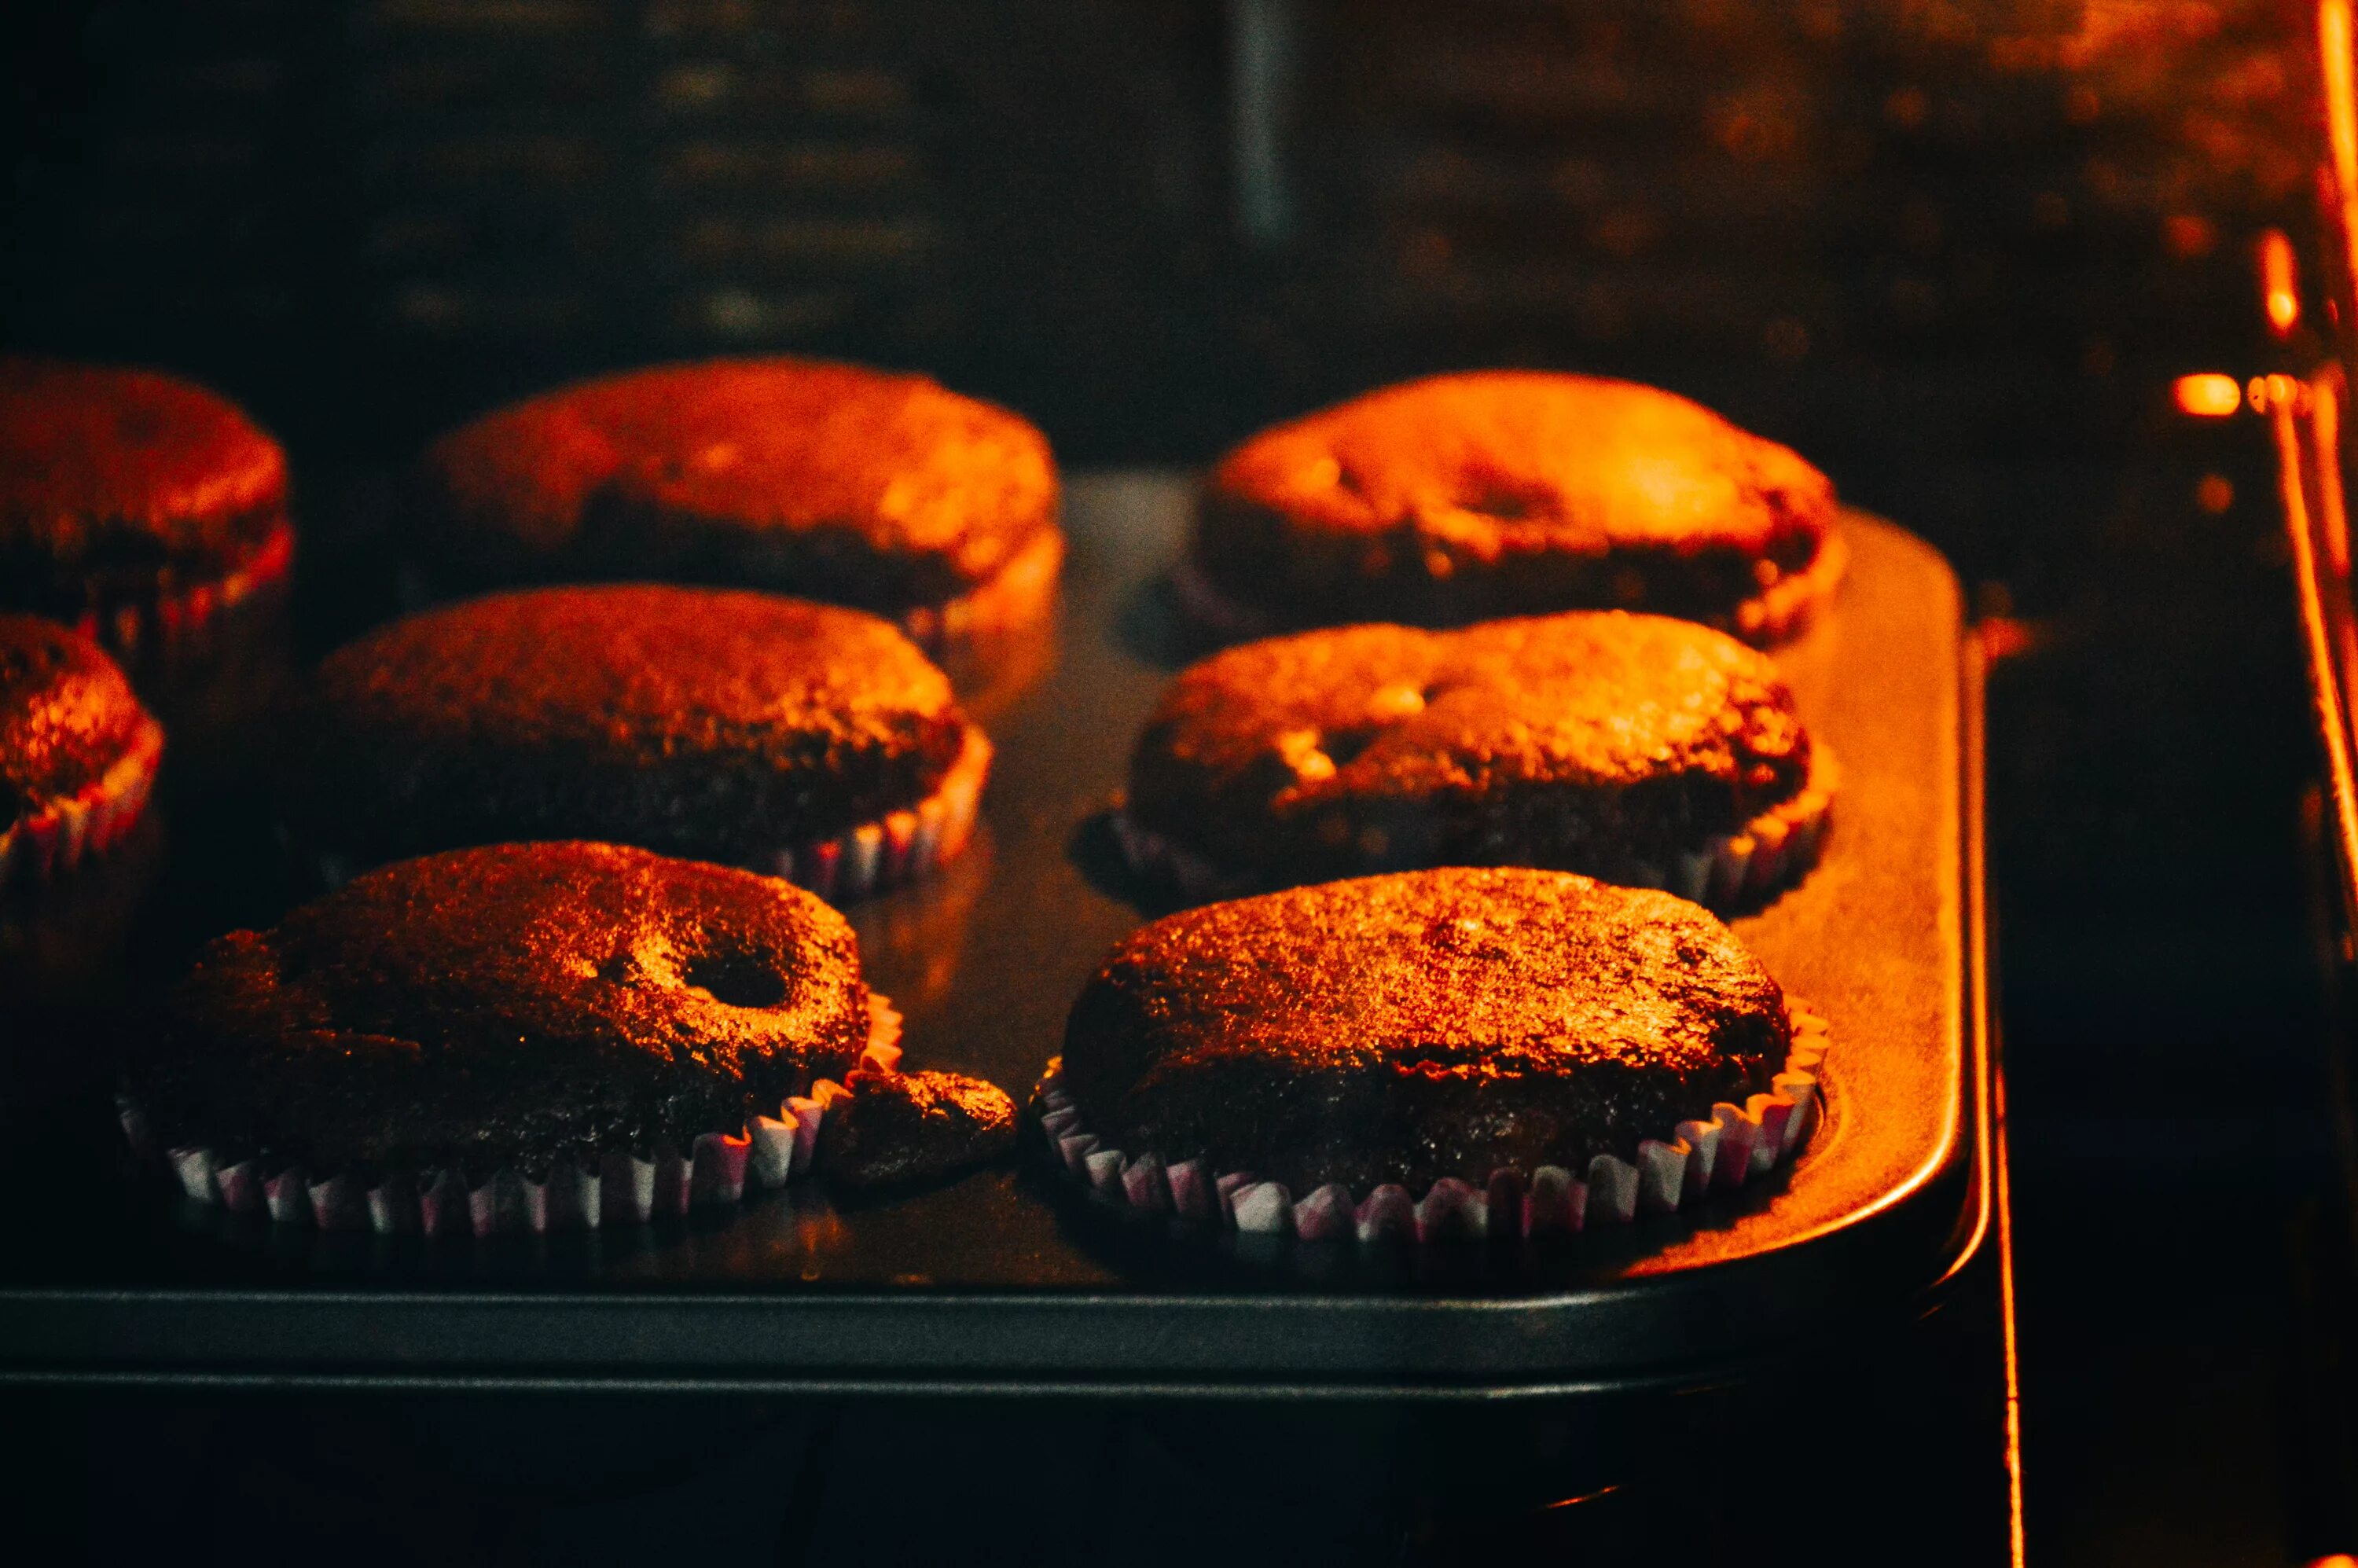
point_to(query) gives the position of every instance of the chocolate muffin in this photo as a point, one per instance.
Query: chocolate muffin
(77, 752)
(528, 1007)
(1636, 748)
(140, 507)
(1465, 498)
(858, 487)
(800, 739)
(1430, 1025)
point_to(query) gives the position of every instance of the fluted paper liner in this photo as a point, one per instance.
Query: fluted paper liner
(1731, 872)
(621, 1189)
(64, 831)
(1735, 1144)
(1777, 613)
(901, 847)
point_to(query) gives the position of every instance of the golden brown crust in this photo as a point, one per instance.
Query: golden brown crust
(696, 721)
(1611, 745)
(855, 485)
(518, 1004)
(1432, 1023)
(1461, 498)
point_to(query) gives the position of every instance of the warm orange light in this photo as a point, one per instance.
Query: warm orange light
(2341, 116)
(2278, 282)
(2209, 394)
(2339, 1560)
(2325, 433)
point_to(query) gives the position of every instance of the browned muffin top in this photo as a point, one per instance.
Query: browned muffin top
(1429, 1023)
(858, 485)
(695, 720)
(66, 714)
(94, 458)
(1461, 496)
(520, 1003)
(1364, 746)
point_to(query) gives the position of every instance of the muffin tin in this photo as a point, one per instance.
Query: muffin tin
(1004, 1281)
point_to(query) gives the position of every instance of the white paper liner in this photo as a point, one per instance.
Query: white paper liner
(1779, 611)
(622, 1190)
(183, 620)
(905, 846)
(902, 846)
(65, 831)
(1731, 872)
(1736, 1144)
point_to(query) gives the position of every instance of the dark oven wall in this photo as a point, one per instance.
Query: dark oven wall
(369, 218)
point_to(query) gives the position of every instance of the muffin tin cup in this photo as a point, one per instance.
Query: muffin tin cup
(1736, 1144)
(1732, 870)
(66, 830)
(902, 846)
(1778, 614)
(153, 631)
(621, 1189)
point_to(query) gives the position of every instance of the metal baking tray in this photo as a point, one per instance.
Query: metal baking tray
(1004, 1281)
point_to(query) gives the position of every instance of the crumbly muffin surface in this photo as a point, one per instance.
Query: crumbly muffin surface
(857, 486)
(516, 1005)
(1593, 742)
(1461, 498)
(1407, 1027)
(721, 724)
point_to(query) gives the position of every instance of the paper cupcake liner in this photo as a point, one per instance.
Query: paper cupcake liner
(902, 846)
(1731, 872)
(185, 621)
(1777, 612)
(65, 831)
(1018, 594)
(1736, 1144)
(621, 1189)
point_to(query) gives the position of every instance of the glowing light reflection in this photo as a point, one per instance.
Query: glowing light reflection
(2208, 394)
(2279, 282)
(2333, 38)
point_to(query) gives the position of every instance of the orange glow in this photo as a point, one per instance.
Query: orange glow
(2341, 117)
(2325, 437)
(2214, 492)
(2277, 279)
(2208, 396)
(2339, 1560)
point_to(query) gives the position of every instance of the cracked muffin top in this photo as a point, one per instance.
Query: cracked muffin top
(1595, 741)
(1434, 1024)
(1461, 498)
(857, 486)
(514, 1005)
